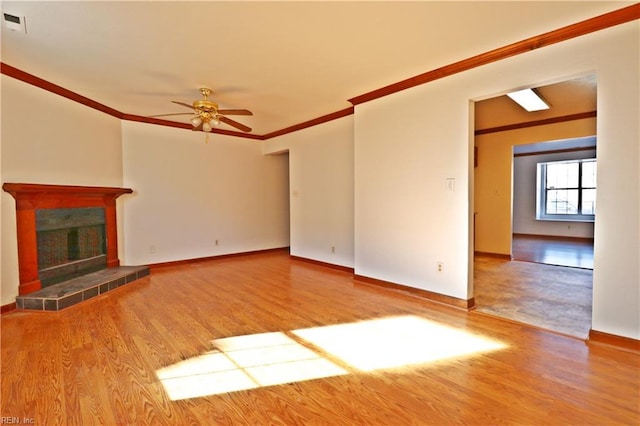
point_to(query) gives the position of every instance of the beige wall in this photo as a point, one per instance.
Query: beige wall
(493, 178)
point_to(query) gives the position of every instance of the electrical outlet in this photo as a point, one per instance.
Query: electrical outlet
(152, 249)
(217, 242)
(440, 266)
(333, 249)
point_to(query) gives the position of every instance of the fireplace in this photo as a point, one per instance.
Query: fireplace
(63, 231)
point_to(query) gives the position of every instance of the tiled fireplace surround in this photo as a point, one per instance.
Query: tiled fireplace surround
(31, 197)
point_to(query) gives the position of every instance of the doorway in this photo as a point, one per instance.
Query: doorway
(508, 281)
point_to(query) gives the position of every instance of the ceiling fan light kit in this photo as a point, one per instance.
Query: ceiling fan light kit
(206, 112)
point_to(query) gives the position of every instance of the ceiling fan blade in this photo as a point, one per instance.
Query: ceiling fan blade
(235, 112)
(166, 115)
(183, 104)
(235, 124)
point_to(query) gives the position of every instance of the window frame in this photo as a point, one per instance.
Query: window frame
(541, 201)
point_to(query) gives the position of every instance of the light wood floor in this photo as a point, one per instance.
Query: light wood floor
(388, 358)
(571, 252)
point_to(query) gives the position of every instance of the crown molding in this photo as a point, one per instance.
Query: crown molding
(601, 22)
(23, 76)
(525, 124)
(323, 119)
(607, 20)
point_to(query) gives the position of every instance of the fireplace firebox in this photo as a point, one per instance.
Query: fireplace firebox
(71, 243)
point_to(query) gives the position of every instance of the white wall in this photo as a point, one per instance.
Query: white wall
(525, 193)
(188, 194)
(408, 143)
(616, 273)
(69, 144)
(321, 190)
(406, 221)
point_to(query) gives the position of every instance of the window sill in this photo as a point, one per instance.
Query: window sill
(563, 219)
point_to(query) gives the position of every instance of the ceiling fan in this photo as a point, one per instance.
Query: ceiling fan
(207, 115)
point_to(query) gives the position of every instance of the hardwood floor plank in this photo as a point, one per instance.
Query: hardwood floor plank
(550, 250)
(99, 362)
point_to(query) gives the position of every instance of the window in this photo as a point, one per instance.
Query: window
(567, 190)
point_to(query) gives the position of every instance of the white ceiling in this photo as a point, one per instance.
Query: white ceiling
(288, 62)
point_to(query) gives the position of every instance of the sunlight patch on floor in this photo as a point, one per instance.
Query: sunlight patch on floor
(245, 362)
(395, 342)
(267, 359)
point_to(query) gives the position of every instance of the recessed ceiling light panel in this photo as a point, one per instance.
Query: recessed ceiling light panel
(529, 100)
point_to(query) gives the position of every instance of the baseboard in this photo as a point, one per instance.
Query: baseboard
(425, 294)
(555, 237)
(324, 264)
(623, 343)
(8, 308)
(217, 257)
(526, 324)
(494, 255)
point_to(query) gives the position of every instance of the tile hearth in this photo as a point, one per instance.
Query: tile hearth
(59, 296)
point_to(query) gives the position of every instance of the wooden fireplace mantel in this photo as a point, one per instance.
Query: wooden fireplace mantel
(30, 197)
